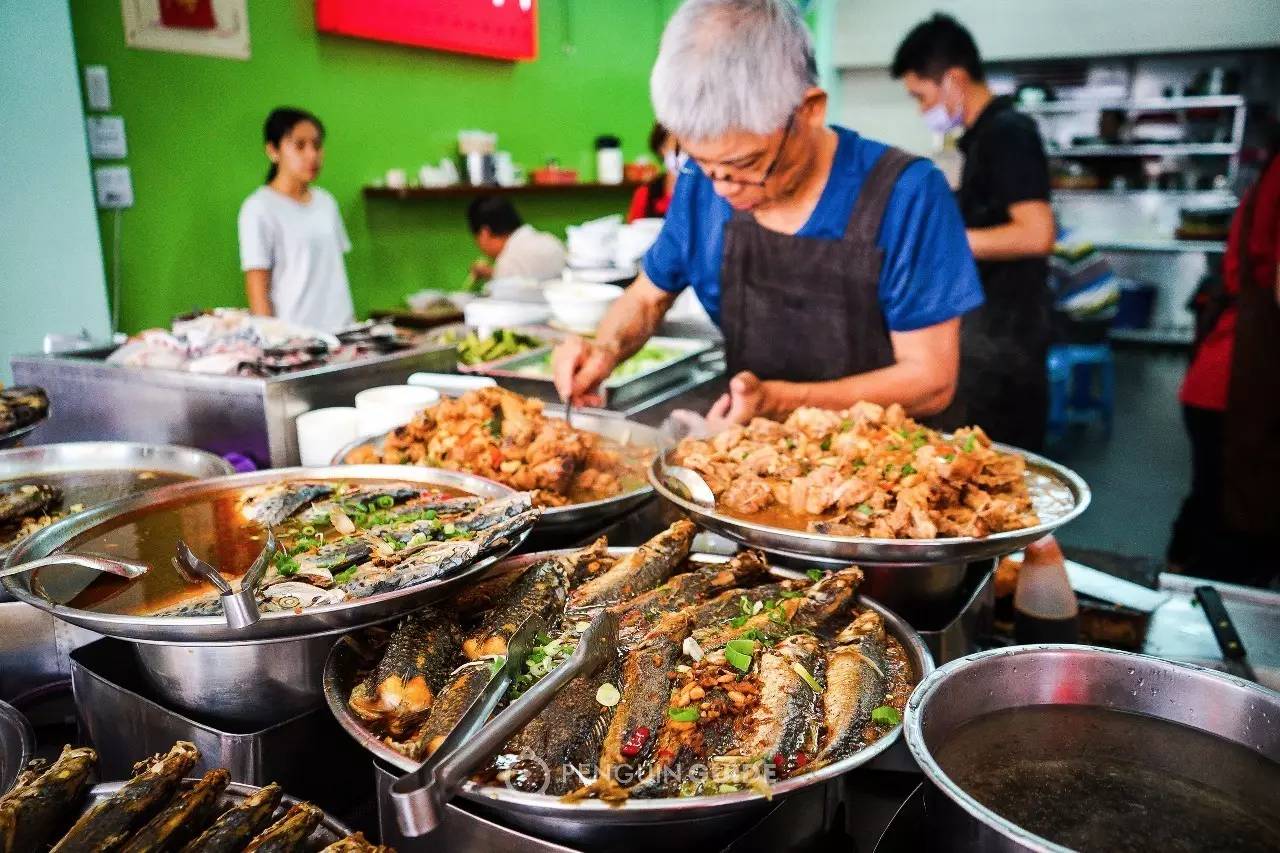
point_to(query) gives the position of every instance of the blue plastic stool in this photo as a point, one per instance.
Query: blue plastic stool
(1082, 382)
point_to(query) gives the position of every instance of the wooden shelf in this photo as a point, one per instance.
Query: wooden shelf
(468, 191)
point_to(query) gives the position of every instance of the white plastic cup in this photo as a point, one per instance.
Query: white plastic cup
(386, 407)
(323, 432)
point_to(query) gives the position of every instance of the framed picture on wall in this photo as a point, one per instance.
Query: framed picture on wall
(206, 27)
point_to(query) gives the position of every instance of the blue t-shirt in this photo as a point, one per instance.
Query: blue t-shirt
(928, 275)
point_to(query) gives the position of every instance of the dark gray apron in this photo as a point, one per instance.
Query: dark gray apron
(805, 309)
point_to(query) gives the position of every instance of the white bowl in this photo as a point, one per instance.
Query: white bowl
(386, 407)
(489, 314)
(580, 306)
(515, 289)
(323, 432)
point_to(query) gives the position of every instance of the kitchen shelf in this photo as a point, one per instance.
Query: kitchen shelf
(1158, 245)
(468, 191)
(1189, 102)
(1156, 149)
(1165, 337)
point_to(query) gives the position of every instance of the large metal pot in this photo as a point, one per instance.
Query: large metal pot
(1229, 707)
(15, 745)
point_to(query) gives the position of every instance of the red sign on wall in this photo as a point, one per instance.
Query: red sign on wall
(502, 29)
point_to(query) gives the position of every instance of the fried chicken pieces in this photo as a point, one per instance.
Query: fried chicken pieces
(504, 436)
(866, 471)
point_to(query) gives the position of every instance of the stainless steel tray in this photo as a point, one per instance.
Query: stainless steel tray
(198, 630)
(16, 741)
(584, 516)
(236, 793)
(528, 808)
(618, 393)
(1059, 495)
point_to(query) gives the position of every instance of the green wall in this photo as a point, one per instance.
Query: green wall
(194, 132)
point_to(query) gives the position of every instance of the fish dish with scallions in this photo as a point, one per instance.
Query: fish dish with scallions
(729, 678)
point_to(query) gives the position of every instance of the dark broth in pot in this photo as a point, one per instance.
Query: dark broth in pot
(1097, 779)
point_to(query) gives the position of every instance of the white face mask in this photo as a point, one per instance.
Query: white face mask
(938, 118)
(673, 161)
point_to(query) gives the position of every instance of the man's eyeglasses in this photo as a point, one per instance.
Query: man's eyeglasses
(768, 173)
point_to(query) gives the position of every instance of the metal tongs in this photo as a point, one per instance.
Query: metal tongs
(420, 796)
(238, 606)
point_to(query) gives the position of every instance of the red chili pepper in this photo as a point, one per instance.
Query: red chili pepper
(495, 456)
(779, 761)
(633, 744)
(801, 759)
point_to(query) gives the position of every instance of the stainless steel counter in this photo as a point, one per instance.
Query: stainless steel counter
(91, 400)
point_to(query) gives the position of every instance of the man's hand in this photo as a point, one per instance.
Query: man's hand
(747, 398)
(578, 367)
(482, 270)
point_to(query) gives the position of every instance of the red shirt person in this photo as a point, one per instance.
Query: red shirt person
(1231, 407)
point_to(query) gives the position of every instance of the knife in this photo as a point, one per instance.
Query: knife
(1224, 631)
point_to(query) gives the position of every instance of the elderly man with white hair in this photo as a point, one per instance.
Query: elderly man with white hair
(837, 267)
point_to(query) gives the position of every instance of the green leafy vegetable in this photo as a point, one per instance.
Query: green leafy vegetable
(385, 501)
(970, 443)
(342, 577)
(886, 715)
(799, 669)
(815, 575)
(908, 469)
(865, 509)
(826, 443)
(739, 653)
(683, 715)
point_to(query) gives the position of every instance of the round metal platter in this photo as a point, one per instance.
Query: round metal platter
(199, 630)
(582, 516)
(236, 793)
(531, 808)
(16, 741)
(1058, 494)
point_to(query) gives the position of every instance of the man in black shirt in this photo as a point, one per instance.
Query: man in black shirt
(1004, 198)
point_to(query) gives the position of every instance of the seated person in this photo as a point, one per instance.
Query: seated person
(517, 249)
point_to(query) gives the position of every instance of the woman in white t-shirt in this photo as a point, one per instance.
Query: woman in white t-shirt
(291, 235)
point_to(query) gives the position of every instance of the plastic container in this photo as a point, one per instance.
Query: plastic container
(322, 432)
(1044, 604)
(485, 315)
(609, 165)
(386, 407)
(580, 306)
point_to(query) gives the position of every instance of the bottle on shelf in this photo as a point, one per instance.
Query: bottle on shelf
(1044, 604)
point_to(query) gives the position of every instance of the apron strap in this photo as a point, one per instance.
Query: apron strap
(873, 198)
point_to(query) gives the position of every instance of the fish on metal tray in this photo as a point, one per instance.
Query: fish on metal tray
(26, 500)
(290, 833)
(778, 728)
(465, 684)
(434, 560)
(643, 569)
(31, 812)
(34, 770)
(21, 406)
(397, 694)
(637, 613)
(590, 562)
(319, 513)
(541, 590)
(809, 609)
(235, 827)
(356, 844)
(319, 567)
(856, 685)
(108, 824)
(273, 504)
(184, 818)
(564, 740)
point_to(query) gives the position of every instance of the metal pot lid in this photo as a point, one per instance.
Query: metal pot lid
(200, 630)
(1241, 711)
(1058, 494)
(339, 675)
(581, 516)
(16, 742)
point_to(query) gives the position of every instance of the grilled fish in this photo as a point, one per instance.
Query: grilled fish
(319, 513)
(565, 737)
(31, 812)
(34, 770)
(21, 405)
(25, 500)
(635, 614)
(591, 561)
(272, 505)
(440, 558)
(236, 826)
(628, 751)
(466, 683)
(643, 569)
(818, 603)
(777, 728)
(182, 819)
(541, 591)
(356, 844)
(290, 833)
(106, 826)
(856, 685)
(397, 695)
